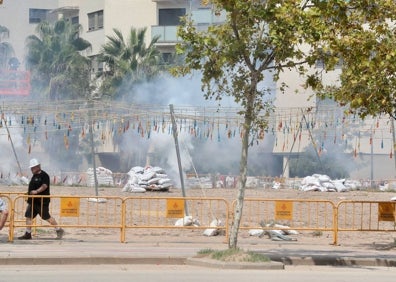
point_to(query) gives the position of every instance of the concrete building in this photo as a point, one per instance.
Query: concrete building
(97, 18)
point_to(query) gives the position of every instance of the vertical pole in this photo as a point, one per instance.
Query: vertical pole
(174, 130)
(394, 141)
(372, 159)
(12, 143)
(313, 142)
(92, 146)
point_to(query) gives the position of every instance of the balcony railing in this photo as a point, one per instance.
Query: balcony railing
(202, 18)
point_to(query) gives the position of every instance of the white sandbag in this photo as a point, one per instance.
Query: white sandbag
(213, 231)
(153, 181)
(256, 232)
(322, 177)
(142, 183)
(310, 187)
(137, 169)
(185, 221)
(286, 229)
(311, 180)
(339, 185)
(328, 185)
(164, 180)
(157, 169)
(276, 185)
(136, 189)
(278, 235)
(147, 175)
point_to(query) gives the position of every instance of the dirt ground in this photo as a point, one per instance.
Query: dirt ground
(345, 238)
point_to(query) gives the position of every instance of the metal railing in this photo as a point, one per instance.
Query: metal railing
(176, 213)
(198, 213)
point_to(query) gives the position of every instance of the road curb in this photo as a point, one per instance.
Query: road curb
(276, 261)
(234, 265)
(333, 261)
(92, 261)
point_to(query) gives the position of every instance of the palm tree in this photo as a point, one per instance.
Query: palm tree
(127, 62)
(6, 50)
(55, 59)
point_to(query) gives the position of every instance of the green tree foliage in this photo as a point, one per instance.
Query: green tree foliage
(60, 71)
(259, 37)
(6, 50)
(127, 62)
(54, 56)
(363, 35)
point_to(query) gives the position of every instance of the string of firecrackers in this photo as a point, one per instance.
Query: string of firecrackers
(195, 130)
(372, 131)
(285, 127)
(69, 121)
(59, 123)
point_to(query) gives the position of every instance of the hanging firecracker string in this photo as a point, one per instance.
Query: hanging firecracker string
(261, 134)
(66, 141)
(356, 146)
(287, 141)
(218, 131)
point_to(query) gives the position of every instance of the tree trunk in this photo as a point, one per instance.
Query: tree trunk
(233, 238)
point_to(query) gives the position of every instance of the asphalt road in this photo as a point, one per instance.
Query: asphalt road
(180, 273)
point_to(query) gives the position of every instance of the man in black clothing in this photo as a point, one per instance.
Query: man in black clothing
(39, 185)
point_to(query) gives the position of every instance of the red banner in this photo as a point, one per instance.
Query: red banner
(14, 83)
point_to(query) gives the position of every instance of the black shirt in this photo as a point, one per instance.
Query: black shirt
(35, 183)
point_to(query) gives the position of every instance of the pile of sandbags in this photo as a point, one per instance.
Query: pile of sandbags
(142, 179)
(323, 183)
(104, 177)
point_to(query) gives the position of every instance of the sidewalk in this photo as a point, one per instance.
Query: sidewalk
(76, 251)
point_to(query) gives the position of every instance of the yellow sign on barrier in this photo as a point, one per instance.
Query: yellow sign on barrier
(174, 208)
(386, 211)
(283, 210)
(70, 207)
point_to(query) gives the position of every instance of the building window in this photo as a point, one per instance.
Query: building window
(170, 16)
(320, 63)
(75, 20)
(37, 15)
(95, 20)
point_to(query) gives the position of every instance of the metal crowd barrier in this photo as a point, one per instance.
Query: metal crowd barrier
(373, 216)
(75, 212)
(10, 220)
(296, 214)
(192, 213)
(170, 213)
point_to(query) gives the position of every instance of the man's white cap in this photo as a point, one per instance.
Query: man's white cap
(33, 163)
